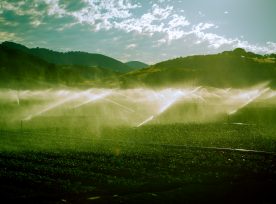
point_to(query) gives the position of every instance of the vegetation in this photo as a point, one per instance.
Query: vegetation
(71, 58)
(22, 70)
(128, 165)
(55, 160)
(38, 66)
(160, 175)
(236, 68)
(99, 145)
(136, 65)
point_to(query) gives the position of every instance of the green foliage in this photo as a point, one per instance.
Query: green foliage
(72, 58)
(228, 69)
(238, 68)
(19, 69)
(136, 65)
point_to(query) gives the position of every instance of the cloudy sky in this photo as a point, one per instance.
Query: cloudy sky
(145, 30)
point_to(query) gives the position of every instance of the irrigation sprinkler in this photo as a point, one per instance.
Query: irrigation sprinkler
(149, 104)
(54, 105)
(250, 99)
(170, 100)
(17, 97)
(120, 105)
(145, 121)
(93, 98)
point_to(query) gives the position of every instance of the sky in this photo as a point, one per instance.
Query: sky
(145, 30)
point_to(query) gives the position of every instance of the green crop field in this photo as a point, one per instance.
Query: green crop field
(190, 152)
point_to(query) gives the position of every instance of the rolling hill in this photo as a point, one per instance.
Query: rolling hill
(19, 69)
(236, 68)
(136, 65)
(72, 58)
(21, 66)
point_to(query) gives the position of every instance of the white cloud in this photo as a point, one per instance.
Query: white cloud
(149, 23)
(36, 23)
(272, 45)
(20, 8)
(161, 13)
(160, 21)
(160, 42)
(7, 36)
(131, 46)
(157, 20)
(101, 15)
(202, 26)
(269, 47)
(213, 40)
(54, 8)
(174, 35)
(178, 21)
(116, 14)
(216, 41)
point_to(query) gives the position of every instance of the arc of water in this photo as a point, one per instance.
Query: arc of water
(120, 105)
(56, 104)
(176, 96)
(93, 98)
(250, 100)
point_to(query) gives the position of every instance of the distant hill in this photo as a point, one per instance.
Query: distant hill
(236, 68)
(24, 67)
(19, 68)
(136, 65)
(72, 58)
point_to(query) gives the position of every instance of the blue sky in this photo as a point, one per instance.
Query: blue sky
(149, 31)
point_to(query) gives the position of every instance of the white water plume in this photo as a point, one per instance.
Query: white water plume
(146, 121)
(134, 107)
(167, 98)
(93, 97)
(71, 97)
(118, 104)
(247, 98)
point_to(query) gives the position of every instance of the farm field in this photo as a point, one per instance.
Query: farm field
(85, 155)
(119, 175)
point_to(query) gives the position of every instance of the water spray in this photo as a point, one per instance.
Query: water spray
(120, 105)
(93, 98)
(55, 105)
(250, 99)
(173, 98)
(146, 121)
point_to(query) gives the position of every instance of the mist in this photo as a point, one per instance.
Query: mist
(96, 107)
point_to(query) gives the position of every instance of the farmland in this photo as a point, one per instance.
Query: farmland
(203, 142)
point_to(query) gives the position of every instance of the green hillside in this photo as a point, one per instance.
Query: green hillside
(136, 65)
(72, 58)
(21, 66)
(19, 69)
(236, 68)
